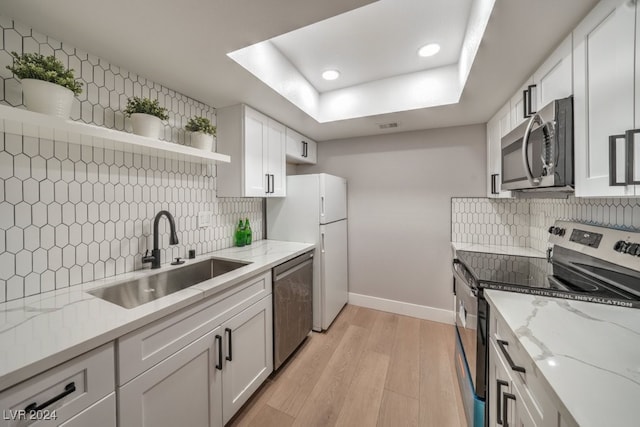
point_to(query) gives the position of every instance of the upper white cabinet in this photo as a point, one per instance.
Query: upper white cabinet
(605, 90)
(300, 149)
(495, 132)
(522, 104)
(257, 146)
(554, 80)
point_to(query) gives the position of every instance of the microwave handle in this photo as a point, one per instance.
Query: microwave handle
(525, 153)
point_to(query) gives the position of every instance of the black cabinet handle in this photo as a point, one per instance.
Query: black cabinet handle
(613, 164)
(530, 100)
(273, 183)
(267, 190)
(630, 137)
(68, 389)
(505, 407)
(525, 103)
(503, 347)
(306, 149)
(499, 385)
(219, 343)
(230, 352)
(494, 183)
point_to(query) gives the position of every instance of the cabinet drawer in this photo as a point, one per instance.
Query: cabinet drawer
(530, 383)
(149, 345)
(68, 389)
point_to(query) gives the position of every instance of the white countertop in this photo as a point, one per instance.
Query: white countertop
(39, 332)
(498, 249)
(589, 354)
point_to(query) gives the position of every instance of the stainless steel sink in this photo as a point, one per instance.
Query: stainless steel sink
(137, 292)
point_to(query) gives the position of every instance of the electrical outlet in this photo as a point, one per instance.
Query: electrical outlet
(204, 219)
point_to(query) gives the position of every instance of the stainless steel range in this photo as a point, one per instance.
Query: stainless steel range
(583, 262)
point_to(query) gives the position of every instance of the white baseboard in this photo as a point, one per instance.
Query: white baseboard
(404, 308)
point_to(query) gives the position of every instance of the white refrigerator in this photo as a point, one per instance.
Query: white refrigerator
(315, 211)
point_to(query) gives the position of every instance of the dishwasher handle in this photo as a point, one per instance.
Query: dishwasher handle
(279, 270)
(283, 274)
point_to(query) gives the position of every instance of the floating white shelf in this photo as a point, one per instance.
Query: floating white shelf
(23, 122)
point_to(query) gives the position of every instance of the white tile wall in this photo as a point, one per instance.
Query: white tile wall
(525, 222)
(71, 214)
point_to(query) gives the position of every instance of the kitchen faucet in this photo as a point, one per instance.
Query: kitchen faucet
(154, 259)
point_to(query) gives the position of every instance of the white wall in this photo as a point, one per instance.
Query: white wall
(400, 188)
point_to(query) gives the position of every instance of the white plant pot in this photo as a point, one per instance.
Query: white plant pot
(202, 140)
(146, 125)
(47, 98)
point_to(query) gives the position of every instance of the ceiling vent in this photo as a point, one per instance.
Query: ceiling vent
(388, 125)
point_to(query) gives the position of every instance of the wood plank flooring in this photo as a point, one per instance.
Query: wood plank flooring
(370, 368)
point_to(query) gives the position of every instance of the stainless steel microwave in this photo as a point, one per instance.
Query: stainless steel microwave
(538, 154)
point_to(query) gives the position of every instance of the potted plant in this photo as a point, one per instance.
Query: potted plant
(146, 116)
(47, 86)
(202, 132)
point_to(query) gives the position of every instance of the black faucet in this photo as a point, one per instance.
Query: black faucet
(154, 259)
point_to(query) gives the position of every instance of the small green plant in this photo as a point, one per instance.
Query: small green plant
(46, 68)
(201, 124)
(145, 106)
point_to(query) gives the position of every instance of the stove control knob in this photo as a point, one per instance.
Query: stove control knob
(633, 249)
(552, 229)
(620, 246)
(562, 231)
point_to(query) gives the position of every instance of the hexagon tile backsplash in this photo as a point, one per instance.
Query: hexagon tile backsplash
(71, 214)
(525, 222)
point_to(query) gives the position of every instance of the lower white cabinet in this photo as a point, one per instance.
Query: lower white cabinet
(100, 414)
(184, 389)
(66, 394)
(204, 379)
(248, 358)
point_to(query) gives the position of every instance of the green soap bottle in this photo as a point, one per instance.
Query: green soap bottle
(248, 233)
(239, 236)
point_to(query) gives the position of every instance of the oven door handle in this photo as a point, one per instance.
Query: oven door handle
(535, 119)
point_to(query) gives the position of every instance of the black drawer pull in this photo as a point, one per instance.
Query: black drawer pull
(68, 389)
(503, 347)
(505, 407)
(230, 353)
(499, 385)
(219, 342)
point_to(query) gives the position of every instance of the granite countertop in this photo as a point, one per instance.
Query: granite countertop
(498, 249)
(589, 354)
(42, 331)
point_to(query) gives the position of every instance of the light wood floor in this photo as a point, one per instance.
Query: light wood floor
(370, 368)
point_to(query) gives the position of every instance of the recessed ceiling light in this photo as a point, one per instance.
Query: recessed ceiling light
(429, 49)
(331, 74)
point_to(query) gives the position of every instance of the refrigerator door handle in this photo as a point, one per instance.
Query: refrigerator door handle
(322, 205)
(322, 242)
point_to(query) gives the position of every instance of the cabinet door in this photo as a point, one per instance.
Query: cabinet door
(505, 119)
(183, 390)
(518, 106)
(100, 414)
(521, 415)
(499, 383)
(494, 155)
(248, 341)
(275, 163)
(256, 129)
(603, 72)
(554, 78)
(312, 151)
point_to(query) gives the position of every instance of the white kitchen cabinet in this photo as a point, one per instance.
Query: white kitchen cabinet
(520, 107)
(100, 414)
(256, 144)
(63, 392)
(184, 389)
(248, 359)
(605, 74)
(554, 78)
(494, 154)
(300, 149)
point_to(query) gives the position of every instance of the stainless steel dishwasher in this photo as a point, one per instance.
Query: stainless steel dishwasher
(292, 305)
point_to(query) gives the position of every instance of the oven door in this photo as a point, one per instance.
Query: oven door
(469, 358)
(467, 320)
